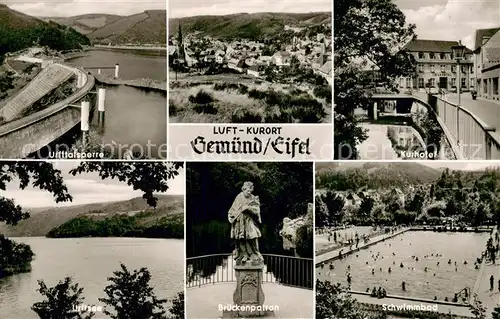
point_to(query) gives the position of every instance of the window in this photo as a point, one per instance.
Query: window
(408, 82)
(443, 68)
(433, 68)
(463, 83)
(442, 56)
(453, 82)
(421, 55)
(432, 81)
(464, 68)
(421, 68)
(453, 68)
(431, 55)
(420, 82)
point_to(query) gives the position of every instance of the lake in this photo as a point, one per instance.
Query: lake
(135, 118)
(132, 66)
(90, 261)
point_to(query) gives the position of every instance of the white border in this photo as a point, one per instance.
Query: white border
(314, 237)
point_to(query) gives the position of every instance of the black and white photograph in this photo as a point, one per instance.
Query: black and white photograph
(249, 240)
(250, 61)
(417, 80)
(398, 240)
(83, 79)
(91, 240)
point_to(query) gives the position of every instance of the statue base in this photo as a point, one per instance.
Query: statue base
(248, 297)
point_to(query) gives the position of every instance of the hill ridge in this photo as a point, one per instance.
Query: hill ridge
(41, 222)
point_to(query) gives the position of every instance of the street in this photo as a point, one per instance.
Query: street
(487, 111)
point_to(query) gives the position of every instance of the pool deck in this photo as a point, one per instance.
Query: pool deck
(203, 302)
(334, 254)
(445, 308)
(489, 298)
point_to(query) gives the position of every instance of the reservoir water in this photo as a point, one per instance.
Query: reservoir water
(135, 118)
(132, 66)
(90, 261)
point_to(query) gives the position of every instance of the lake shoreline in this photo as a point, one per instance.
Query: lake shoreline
(143, 84)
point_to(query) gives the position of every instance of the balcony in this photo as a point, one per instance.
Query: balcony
(287, 283)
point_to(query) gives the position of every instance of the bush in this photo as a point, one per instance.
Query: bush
(205, 108)
(243, 89)
(201, 97)
(246, 116)
(323, 92)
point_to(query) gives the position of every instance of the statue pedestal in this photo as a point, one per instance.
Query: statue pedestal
(248, 297)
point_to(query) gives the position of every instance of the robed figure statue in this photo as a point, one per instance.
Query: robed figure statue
(244, 217)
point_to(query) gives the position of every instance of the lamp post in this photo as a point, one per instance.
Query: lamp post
(458, 52)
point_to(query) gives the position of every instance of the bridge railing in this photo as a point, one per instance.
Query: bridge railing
(286, 270)
(474, 138)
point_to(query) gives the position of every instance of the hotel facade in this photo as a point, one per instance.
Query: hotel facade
(437, 68)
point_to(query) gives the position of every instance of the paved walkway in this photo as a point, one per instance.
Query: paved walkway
(486, 110)
(203, 302)
(319, 259)
(441, 308)
(489, 298)
(377, 146)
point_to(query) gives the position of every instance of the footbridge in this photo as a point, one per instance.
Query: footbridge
(465, 135)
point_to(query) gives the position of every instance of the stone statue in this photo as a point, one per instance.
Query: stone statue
(244, 217)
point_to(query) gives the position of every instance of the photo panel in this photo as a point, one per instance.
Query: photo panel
(83, 238)
(249, 240)
(84, 80)
(250, 80)
(407, 239)
(416, 85)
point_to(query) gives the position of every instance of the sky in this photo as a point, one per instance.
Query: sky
(85, 188)
(451, 20)
(187, 8)
(66, 8)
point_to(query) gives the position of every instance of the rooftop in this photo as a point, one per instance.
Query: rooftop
(203, 302)
(483, 33)
(418, 45)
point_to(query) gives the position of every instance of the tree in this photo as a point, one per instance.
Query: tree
(477, 308)
(16, 258)
(62, 301)
(375, 32)
(335, 205)
(417, 203)
(177, 309)
(334, 301)
(366, 209)
(131, 296)
(496, 313)
(41, 174)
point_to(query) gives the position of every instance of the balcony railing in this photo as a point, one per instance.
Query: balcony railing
(286, 270)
